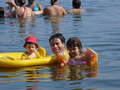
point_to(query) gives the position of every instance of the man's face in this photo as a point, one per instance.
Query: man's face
(56, 45)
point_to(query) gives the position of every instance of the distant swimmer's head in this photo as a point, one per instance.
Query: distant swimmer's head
(36, 8)
(22, 2)
(2, 12)
(17, 2)
(31, 2)
(76, 4)
(54, 2)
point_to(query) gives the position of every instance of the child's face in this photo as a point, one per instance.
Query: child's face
(56, 45)
(30, 48)
(73, 52)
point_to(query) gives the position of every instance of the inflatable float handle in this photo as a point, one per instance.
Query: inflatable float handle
(93, 55)
(61, 59)
(42, 52)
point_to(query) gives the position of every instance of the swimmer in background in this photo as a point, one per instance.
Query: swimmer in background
(78, 56)
(10, 10)
(54, 9)
(21, 11)
(76, 4)
(36, 8)
(2, 12)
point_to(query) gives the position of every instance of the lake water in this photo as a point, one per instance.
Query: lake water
(98, 28)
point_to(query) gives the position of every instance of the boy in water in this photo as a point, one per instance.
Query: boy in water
(32, 50)
(76, 4)
(78, 55)
(57, 43)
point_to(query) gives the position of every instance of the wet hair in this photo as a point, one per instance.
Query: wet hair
(58, 35)
(2, 12)
(21, 2)
(17, 2)
(74, 42)
(53, 2)
(31, 1)
(76, 3)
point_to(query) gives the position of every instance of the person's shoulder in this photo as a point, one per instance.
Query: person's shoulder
(76, 11)
(27, 8)
(62, 7)
(82, 10)
(47, 7)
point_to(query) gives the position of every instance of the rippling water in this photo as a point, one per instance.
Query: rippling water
(98, 28)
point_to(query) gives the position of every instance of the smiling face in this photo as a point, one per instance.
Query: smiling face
(56, 45)
(73, 52)
(30, 48)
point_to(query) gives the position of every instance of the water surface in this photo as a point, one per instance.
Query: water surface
(98, 28)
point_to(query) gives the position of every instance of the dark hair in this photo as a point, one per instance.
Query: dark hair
(21, 2)
(58, 35)
(17, 2)
(30, 1)
(2, 12)
(53, 2)
(74, 42)
(76, 3)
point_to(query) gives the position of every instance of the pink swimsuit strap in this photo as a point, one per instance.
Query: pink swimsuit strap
(23, 14)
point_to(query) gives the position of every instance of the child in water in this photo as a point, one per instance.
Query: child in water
(77, 55)
(32, 50)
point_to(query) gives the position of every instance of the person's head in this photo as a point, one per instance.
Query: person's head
(57, 43)
(30, 44)
(76, 4)
(17, 2)
(21, 2)
(2, 12)
(30, 2)
(74, 46)
(53, 2)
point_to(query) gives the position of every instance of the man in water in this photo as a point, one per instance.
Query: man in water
(54, 9)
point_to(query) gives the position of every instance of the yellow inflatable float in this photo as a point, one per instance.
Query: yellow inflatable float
(12, 60)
